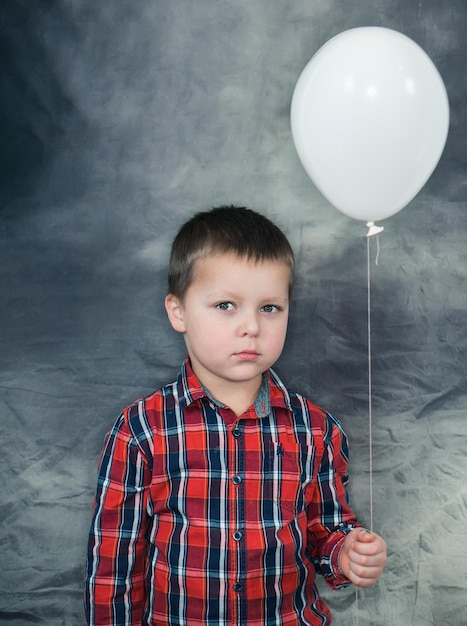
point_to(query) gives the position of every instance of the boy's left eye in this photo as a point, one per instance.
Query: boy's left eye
(269, 308)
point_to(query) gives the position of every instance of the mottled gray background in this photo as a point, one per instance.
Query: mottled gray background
(119, 120)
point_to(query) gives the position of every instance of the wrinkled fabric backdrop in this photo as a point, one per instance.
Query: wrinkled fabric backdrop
(118, 121)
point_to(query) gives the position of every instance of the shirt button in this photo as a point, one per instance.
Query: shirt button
(237, 535)
(237, 431)
(237, 480)
(238, 587)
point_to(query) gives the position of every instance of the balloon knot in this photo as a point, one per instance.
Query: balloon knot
(373, 229)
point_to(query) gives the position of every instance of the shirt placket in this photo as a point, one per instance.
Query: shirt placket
(237, 526)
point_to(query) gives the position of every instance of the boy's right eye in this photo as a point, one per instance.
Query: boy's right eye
(225, 306)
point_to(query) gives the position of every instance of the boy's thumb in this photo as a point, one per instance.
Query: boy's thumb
(365, 535)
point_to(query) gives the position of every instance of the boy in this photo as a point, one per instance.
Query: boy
(221, 494)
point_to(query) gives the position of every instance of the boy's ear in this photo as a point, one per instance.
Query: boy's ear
(175, 313)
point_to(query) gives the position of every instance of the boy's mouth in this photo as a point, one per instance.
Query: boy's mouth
(247, 355)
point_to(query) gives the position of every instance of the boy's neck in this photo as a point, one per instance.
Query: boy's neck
(237, 396)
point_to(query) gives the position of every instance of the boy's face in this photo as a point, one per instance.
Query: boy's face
(234, 318)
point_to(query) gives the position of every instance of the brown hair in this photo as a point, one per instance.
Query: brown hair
(225, 229)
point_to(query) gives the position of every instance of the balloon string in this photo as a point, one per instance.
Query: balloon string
(372, 230)
(370, 420)
(377, 250)
(356, 607)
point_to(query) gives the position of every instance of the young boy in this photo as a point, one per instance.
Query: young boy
(221, 494)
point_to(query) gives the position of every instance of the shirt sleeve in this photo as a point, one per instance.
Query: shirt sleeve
(331, 518)
(114, 587)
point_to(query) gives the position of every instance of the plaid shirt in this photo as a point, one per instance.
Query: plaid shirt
(203, 518)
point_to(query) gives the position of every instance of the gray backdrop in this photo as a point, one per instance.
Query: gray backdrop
(118, 121)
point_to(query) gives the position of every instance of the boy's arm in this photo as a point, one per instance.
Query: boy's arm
(114, 588)
(330, 518)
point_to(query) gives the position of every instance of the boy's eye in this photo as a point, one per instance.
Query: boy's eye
(269, 308)
(225, 306)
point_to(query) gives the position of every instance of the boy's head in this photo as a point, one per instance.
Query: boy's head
(226, 230)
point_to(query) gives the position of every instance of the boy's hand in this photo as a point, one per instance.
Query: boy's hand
(362, 557)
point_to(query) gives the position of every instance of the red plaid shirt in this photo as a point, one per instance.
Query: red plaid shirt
(203, 518)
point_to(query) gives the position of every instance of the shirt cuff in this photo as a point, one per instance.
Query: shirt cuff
(339, 579)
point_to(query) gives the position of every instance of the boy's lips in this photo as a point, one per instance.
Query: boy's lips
(247, 355)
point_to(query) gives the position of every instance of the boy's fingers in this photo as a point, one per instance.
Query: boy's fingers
(367, 558)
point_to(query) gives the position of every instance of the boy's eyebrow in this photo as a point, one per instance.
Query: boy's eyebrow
(222, 294)
(231, 295)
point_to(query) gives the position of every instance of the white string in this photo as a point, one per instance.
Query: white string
(370, 420)
(377, 250)
(372, 230)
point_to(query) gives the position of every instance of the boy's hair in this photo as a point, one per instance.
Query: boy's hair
(226, 229)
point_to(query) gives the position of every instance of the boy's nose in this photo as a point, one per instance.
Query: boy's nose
(249, 325)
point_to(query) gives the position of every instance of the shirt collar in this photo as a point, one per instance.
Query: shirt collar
(272, 393)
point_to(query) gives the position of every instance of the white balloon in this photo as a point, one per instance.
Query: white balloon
(370, 118)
